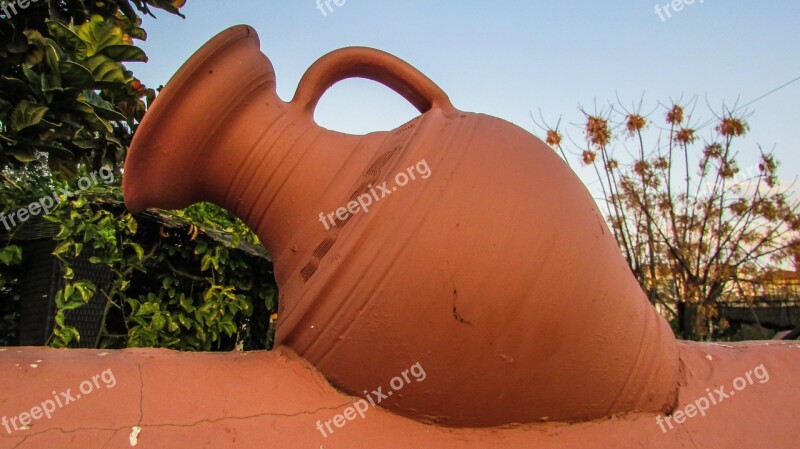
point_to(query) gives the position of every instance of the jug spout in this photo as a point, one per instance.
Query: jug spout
(178, 133)
(219, 133)
(216, 127)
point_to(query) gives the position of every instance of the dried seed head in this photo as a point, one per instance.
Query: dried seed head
(675, 115)
(635, 123)
(713, 151)
(767, 164)
(553, 138)
(685, 136)
(641, 167)
(732, 127)
(597, 131)
(728, 169)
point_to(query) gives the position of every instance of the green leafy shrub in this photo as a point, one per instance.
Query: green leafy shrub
(64, 89)
(10, 256)
(188, 280)
(195, 279)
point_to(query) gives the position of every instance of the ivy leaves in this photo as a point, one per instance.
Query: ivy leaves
(74, 295)
(182, 290)
(65, 91)
(10, 255)
(205, 299)
(108, 233)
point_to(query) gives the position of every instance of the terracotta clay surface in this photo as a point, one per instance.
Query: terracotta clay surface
(496, 273)
(273, 400)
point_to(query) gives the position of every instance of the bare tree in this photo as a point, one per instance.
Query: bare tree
(689, 222)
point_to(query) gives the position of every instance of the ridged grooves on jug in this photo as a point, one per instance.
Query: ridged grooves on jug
(160, 133)
(219, 133)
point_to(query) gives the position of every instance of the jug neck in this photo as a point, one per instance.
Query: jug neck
(270, 165)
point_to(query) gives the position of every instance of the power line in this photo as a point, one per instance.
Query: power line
(761, 97)
(771, 92)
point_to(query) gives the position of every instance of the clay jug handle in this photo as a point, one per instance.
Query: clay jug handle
(376, 65)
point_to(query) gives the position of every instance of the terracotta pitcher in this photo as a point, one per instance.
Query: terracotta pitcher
(458, 242)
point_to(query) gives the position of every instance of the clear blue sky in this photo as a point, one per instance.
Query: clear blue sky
(508, 58)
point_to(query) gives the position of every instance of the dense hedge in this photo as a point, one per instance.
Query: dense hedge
(195, 279)
(68, 111)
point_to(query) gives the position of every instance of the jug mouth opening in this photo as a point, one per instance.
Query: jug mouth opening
(171, 135)
(218, 44)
